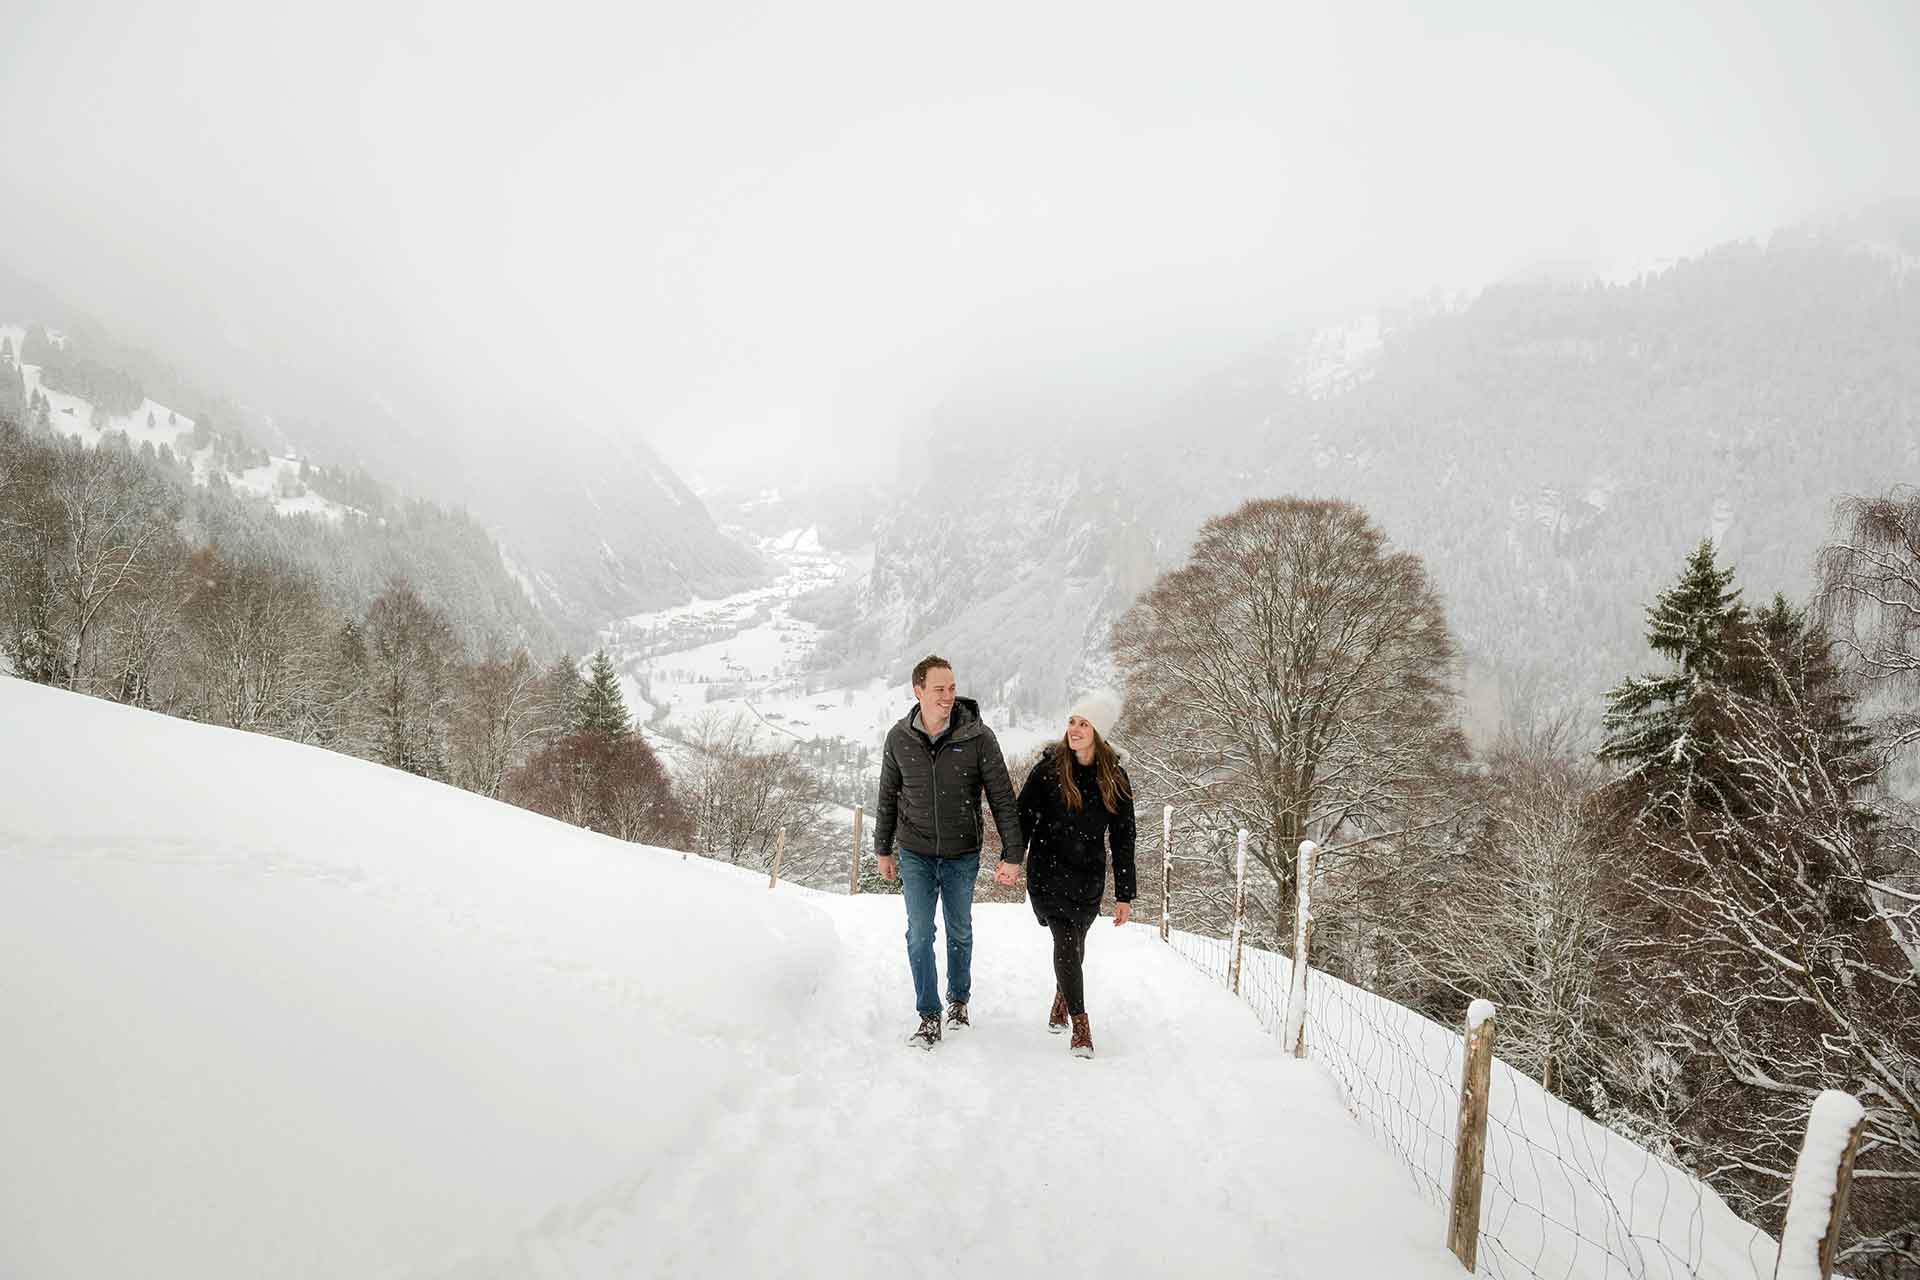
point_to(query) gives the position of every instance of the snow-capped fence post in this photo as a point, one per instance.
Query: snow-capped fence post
(1817, 1201)
(1470, 1147)
(859, 821)
(779, 852)
(1166, 867)
(1295, 1035)
(1239, 911)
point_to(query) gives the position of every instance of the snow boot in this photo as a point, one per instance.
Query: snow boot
(1082, 1046)
(929, 1033)
(957, 1015)
(1057, 1016)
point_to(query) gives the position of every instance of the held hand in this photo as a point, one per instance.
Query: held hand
(1007, 873)
(889, 866)
(1122, 912)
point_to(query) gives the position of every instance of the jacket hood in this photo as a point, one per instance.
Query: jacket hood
(966, 717)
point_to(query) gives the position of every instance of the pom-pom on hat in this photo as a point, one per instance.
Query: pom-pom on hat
(1101, 709)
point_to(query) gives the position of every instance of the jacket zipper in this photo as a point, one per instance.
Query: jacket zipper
(933, 774)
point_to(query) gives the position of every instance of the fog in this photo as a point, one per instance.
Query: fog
(768, 237)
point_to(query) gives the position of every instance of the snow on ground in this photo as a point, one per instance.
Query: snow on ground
(278, 1011)
(73, 416)
(279, 482)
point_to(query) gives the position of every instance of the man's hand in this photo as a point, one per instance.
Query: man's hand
(1122, 912)
(1007, 873)
(889, 866)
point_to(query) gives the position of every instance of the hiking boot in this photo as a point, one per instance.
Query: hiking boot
(957, 1015)
(1057, 1016)
(929, 1033)
(1082, 1046)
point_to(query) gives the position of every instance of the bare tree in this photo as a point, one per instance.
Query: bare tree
(411, 655)
(742, 795)
(613, 785)
(1522, 912)
(1870, 599)
(1294, 678)
(142, 661)
(32, 529)
(500, 714)
(114, 518)
(261, 633)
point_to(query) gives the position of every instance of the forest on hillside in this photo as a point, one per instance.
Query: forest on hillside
(1550, 450)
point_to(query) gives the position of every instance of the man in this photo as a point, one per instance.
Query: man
(933, 767)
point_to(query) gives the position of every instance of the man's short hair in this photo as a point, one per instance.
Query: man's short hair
(925, 665)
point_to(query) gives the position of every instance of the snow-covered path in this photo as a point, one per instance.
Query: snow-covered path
(1189, 1146)
(273, 1011)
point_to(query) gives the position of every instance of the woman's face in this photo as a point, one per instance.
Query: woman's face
(1079, 734)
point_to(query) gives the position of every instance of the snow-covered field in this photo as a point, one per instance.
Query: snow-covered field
(278, 481)
(274, 1011)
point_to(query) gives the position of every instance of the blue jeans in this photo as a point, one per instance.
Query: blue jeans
(923, 879)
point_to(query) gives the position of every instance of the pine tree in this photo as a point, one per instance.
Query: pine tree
(1657, 724)
(603, 709)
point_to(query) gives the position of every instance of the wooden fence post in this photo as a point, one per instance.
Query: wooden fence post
(1470, 1146)
(779, 852)
(1295, 1035)
(859, 821)
(1166, 868)
(1239, 911)
(1817, 1200)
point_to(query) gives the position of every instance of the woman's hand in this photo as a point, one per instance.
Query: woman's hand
(1122, 912)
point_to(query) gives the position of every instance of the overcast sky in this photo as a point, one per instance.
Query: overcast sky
(794, 226)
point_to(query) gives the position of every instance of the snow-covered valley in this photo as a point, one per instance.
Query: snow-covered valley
(748, 656)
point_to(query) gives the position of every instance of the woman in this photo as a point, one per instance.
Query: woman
(1076, 802)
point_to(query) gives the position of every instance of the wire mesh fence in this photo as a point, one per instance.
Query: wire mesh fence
(1564, 1197)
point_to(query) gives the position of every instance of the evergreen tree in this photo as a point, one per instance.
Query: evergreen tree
(560, 691)
(602, 708)
(1657, 724)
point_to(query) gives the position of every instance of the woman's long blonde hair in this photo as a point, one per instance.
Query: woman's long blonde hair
(1106, 772)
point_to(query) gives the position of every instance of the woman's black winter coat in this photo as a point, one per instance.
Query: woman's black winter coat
(1067, 851)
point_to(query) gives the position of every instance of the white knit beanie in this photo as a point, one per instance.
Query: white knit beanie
(1101, 709)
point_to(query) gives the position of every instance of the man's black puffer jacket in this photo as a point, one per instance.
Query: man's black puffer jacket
(930, 795)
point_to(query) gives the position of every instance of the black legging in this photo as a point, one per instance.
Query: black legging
(1069, 952)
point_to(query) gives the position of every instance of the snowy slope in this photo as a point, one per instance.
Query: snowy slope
(278, 481)
(289, 1013)
(1564, 1195)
